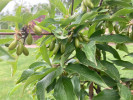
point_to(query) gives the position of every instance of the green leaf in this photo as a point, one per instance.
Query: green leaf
(37, 76)
(118, 3)
(76, 85)
(18, 10)
(4, 55)
(109, 81)
(5, 40)
(45, 82)
(107, 95)
(90, 49)
(59, 5)
(125, 64)
(91, 29)
(101, 17)
(111, 70)
(76, 4)
(97, 33)
(95, 2)
(122, 47)
(124, 20)
(6, 30)
(15, 88)
(130, 54)
(108, 48)
(69, 49)
(125, 93)
(78, 18)
(51, 86)
(116, 38)
(44, 53)
(51, 9)
(83, 93)
(3, 3)
(60, 33)
(121, 12)
(37, 65)
(88, 16)
(11, 19)
(64, 89)
(83, 59)
(39, 13)
(46, 29)
(86, 73)
(48, 21)
(26, 73)
(14, 65)
(68, 21)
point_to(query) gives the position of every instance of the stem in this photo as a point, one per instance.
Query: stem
(91, 91)
(72, 7)
(100, 3)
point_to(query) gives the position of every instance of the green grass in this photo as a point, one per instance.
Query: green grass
(7, 82)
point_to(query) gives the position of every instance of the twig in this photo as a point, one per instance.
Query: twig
(91, 91)
(12, 33)
(100, 3)
(72, 7)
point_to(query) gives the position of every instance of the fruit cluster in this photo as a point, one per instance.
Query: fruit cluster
(85, 4)
(55, 46)
(20, 48)
(17, 43)
(80, 38)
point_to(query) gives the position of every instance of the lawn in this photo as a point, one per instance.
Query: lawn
(7, 82)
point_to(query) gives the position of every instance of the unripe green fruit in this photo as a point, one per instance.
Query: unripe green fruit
(63, 47)
(85, 38)
(77, 43)
(13, 45)
(37, 30)
(83, 7)
(29, 39)
(99, 25)
(80, 38)
(88, 4)
(19, 49)
(56, 48)
(70, 38)
(25, 51)
(116, 29)
(52, 45)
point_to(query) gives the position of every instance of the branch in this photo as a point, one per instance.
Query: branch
(100, 3)
(12, 33)
(72, 7)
